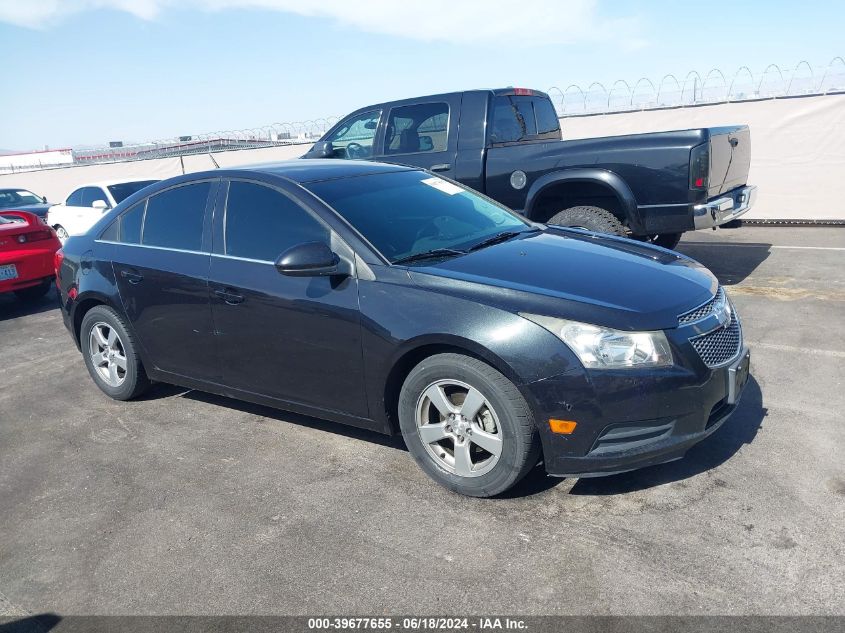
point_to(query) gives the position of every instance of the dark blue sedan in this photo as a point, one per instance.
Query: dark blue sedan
(23, 200)
(391, 299)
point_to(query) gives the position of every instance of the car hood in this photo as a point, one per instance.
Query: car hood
(579, 275)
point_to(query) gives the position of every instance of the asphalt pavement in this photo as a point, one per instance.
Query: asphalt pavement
(189, 503)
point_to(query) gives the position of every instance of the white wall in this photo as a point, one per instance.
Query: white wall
(797, 153)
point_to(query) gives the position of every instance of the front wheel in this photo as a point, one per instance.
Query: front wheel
(61, 233)
(467, 426)
(111, 355)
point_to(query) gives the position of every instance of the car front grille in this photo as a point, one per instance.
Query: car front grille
(720, 345)
(703, 310)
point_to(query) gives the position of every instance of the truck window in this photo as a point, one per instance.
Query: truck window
(354, 137)
(417, 128)
(517, 118)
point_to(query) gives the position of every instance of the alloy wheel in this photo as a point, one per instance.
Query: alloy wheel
(107, 353)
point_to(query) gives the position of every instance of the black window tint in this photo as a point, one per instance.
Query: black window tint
(74, 199)
(513, 119)
(131, 222)
(261, 223)
(174, 218)
(90, 194)
(547, 120)
(417, 128)
(122, 191)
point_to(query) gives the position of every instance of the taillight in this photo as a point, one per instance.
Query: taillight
(58, 258)
(699, 166)
(35, 236)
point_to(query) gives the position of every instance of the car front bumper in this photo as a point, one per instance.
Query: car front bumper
(626, 421)
(724, 209)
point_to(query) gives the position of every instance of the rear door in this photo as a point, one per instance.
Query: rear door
(423, 134)
(296, 339)
(161, 262)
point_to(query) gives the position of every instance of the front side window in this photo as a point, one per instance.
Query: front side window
(354, 137)
(417, 128)
(262, 223)
(90, 194)
(75, 199)
(405, 213)
(174, 218)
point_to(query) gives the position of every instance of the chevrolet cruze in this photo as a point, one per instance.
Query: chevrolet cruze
(391, 299)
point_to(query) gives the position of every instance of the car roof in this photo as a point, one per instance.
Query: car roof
(119, 181)
(311, 169)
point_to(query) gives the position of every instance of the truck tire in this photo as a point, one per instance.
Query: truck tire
(590, 218)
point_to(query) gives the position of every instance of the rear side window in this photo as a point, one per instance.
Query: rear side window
(262, 223)
(174, 218)
(131, 223)
(417, 128)
(517, 118)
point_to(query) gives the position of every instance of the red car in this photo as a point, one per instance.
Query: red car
(27, 248)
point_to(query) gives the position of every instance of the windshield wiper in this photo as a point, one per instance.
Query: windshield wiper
(495, 239)
(435, 252)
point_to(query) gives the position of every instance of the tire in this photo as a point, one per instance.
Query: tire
(590, 218)
(667, 240)
(131, 381)
(61, 233)
(502, 422)
(34, 293)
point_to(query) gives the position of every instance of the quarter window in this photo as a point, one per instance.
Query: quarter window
(354, 137)
(174, 218)
(74, 199)
(131, 223)
(417, 128)
(262, 223)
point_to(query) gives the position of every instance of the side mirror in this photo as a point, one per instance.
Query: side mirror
(311, 259)
(102, 205)
(321, 149)
(44, 199)
(426, 144)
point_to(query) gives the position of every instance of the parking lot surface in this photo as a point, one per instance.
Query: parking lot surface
(190, 503)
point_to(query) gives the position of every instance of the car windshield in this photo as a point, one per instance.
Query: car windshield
(17, 197)
(123, 190)
(406, 213)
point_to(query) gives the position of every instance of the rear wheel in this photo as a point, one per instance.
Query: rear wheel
(467, 426)
(34, 293)
(590, 218)
(111, 355)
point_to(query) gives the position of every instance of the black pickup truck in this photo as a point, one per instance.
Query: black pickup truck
(507, 144)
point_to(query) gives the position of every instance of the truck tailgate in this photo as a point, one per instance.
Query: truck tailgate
(730, 158)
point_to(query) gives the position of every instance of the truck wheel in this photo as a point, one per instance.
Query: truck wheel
(667, 240)
(467, 426)
(590, 218)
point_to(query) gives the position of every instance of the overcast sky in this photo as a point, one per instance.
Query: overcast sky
(90, 71)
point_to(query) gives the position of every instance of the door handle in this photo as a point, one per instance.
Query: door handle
(229, 297)
(441, 167)
(132, 276)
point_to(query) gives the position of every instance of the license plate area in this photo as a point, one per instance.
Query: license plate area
(738, 376)
(9, 271)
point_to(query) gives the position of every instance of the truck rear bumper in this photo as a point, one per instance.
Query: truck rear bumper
(725, 209)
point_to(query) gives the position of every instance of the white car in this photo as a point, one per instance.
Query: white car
(82, 208)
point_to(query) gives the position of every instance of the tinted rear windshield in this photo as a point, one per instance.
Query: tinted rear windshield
(124, 190)
(408, 212)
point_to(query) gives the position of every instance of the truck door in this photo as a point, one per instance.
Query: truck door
(423, 134)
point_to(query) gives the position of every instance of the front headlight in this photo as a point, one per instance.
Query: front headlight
(605, 348)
